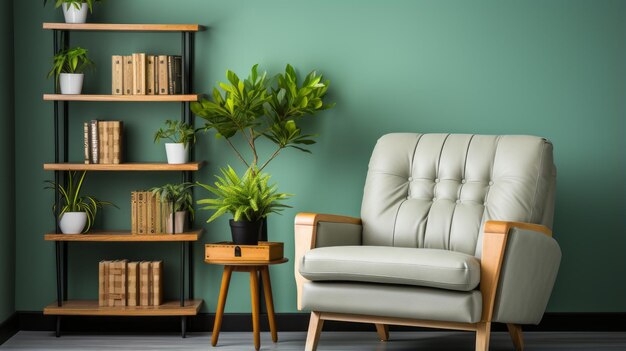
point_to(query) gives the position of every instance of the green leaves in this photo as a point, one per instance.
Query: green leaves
(72, 60)
(238, 108)
(75, 3)
(177, 194)
(249, 197)
(176, 132)
(73, 201)
(257, 107)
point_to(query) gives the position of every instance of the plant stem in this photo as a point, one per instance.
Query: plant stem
(237, 152)
(250, 140)
(271, 158)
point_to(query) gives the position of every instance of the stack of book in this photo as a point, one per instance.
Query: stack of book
(103, 141)
(141, 74)
(147, 213)
(123, 283)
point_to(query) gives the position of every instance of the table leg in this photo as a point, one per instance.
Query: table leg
(269, 301)
(221, 303)
(254, 294)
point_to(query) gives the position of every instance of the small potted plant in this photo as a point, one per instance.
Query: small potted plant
(250, 199)
(178, 200)
(181, 135)
(76, 212)
(68, 69)
(74, 11)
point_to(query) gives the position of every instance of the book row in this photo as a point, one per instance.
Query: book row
(143, 74)
(103, 141)
(150, 215)
(123, 283)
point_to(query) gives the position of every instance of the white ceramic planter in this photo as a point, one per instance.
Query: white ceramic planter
(177, 153)
(74, 15)
(181, 222)
(71, 83)
(73, 222)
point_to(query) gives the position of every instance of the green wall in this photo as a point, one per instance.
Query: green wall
(549, 68)
(7, 180)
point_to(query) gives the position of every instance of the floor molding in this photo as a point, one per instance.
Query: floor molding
(9, 327)
(240, 322)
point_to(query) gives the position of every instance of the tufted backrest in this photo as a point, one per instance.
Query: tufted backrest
(437, 190)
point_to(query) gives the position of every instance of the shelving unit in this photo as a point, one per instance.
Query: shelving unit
(63, 306)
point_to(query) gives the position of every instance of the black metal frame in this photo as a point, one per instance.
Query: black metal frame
(61, 39)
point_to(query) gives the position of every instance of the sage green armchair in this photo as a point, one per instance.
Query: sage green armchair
(455, 233)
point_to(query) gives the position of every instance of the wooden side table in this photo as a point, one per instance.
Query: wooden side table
(253, 267)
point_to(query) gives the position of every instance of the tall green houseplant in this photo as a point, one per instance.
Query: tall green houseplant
(258, 107)
(255, 108)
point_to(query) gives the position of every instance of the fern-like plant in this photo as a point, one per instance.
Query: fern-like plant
(249, 198)
(73, 201)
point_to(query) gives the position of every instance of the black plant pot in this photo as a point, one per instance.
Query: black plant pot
(245, 232)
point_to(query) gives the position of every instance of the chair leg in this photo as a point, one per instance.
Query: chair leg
(383, 331)
(315, 329)
(515, 330)
(483, 332)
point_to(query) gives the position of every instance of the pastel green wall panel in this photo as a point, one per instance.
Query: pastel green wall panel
(554, 69)
(7, 205)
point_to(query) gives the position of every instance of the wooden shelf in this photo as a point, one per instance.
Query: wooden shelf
(114, 27)
(125, 236)
(192, 166)
(121, 98)
(91, 308)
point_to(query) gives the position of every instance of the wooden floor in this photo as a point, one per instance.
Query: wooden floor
(335, 341)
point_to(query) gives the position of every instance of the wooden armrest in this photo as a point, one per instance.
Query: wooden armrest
(495, 237)
(305, 237)
(313, 218)
(503, 227)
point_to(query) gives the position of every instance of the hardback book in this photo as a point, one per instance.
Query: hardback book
(128, 75)
(139, 70)
(94, 141)
(162, 75)
(145, 276)
(141, 215)
(132, 277)
(133, 212)
(110, 147)
(102, 287)
(118, 127)
(86, 142)
(174, 64)
(157, 283)
(151, 75)
(117, 78)
(117, 283)
(103, 142)
(158, 215)
(149, 213)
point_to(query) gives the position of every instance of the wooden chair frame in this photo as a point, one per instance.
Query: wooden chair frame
(494, 246)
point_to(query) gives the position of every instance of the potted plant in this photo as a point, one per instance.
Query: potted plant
(68, 69)
(179, 205)
(258, 107)
(250, 199)
(76, 212)
(74, 11)
(181, 135)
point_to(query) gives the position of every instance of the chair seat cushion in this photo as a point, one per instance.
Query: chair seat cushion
(393, 265)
